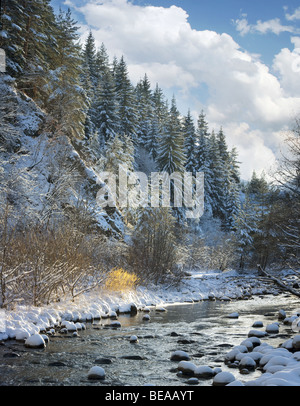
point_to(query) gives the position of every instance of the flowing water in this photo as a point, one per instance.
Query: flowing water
(200, 329)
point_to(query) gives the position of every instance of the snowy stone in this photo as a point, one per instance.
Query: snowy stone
(204, 372)
(160, 309)
(281, 314)
(193, 381)
(115, 324)
(146, 317)
(223, 379)
(233, 315)
(247, 362)
(272, 328)
(69, 325)
(180, 356)
(248, 343)
(255, 341)
(133, 339)
(22, 335)
(230, 356)
(186, 367)
(296, 342)
(35, 341)
(257, 333)
(96, 373)
(256, 356)
(46, 338)
(258, 324)
(236, 383)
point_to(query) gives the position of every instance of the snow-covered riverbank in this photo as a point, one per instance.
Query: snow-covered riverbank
(25, 321)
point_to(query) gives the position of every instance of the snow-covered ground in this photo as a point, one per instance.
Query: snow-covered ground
(282, 366)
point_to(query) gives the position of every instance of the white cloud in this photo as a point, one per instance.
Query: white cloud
(263, 27)
(294, 16)
(243, 96)
(287, 64)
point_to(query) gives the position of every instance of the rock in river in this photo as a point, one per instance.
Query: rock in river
(35, 341)
(96, 373)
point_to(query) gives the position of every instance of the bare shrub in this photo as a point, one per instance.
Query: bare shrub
(153, 250)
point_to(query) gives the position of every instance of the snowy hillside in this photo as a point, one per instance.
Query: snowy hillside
(51, 177)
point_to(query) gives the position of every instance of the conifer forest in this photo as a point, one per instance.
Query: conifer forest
(69, 113)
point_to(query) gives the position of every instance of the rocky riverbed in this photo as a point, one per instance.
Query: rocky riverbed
(207, 333)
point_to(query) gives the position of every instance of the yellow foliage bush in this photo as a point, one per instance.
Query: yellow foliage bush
(120, 280)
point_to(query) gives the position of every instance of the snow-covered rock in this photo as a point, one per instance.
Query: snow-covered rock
(204, 371)
(233, 315)
(247, 362)
(223, 379)
(186, 367)
(35, 341)
(133, 339)
(296, 342)
(180, 356)
(257, 333)
(272, 328)
(257, 324)
(96, 373)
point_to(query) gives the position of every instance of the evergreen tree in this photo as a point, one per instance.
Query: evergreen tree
(126, 101)
(202, 161)
(189, 134)
(217, 178)
(28, 38)
(170, 156)
(158, 125)
(89, 63)
(67, 101)
(105, 109)
(145, 112)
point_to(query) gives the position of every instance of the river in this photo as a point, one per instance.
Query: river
(200, 329)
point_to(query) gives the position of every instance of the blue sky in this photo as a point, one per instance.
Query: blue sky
(239, 61)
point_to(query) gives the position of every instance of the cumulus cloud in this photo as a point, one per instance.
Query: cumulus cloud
(263, 27)
(242, 95)
(294, 16)
(287, 64)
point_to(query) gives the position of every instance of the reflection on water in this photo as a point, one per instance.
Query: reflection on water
(201, 329)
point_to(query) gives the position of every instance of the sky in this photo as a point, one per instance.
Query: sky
(238, 61)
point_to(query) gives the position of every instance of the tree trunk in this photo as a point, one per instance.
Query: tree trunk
(261, 272)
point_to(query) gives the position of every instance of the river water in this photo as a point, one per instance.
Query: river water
(200, 329)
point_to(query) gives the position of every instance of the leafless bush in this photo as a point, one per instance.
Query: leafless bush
(153, 252)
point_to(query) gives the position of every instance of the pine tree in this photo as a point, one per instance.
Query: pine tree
(67, 100)
(189, 134)
(145, 112)
(126, 101)
(158, 125)
(170, 156)
(202, 161)
(28, 38)
(89, 63)
(217, 175)
(105, 109)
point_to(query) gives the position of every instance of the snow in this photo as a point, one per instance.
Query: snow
(96, 373)
(223, 378)
(35, 341)
(279, 365)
